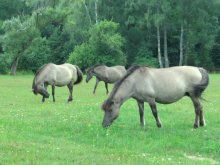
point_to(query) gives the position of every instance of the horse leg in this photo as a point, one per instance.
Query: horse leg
(198, 112)
(96, 84)
(201, 117)
(70, 86)
(154, 111)
(106, 86)
(45, 86)
(141, 112)
(43, 99)
(53, 92)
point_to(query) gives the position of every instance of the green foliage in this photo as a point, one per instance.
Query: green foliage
(83, 56)
(104, 46)
(36, 55)
(144, 57)
(17, 38)
(128, 30)
(9, 8)
(215, 53)
(5, 61)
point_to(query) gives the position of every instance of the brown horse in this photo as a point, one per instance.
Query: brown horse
(56, 75)
(152, 85)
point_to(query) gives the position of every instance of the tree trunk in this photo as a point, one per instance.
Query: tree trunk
(96, 11)
(165, 49)
(181, 46)
(87, 11)
(158, 47)
(186, 53)
(14, 66)
(186, 48)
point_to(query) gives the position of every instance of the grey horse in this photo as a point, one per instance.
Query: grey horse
(56, 75)
(166, 85)
(106, 74)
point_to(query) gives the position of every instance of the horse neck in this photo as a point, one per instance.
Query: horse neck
(39, 81)
(100, 74)
(124, 92)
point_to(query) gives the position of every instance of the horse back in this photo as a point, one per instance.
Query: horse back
(168, 85)
(115, 73)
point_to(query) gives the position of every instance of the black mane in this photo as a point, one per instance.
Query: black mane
(37, 73)
(94, 66)
(108, 102)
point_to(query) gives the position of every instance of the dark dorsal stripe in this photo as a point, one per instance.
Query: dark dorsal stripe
(94, 66)
(108, 102)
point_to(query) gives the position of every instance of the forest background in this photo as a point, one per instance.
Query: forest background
(157, 33)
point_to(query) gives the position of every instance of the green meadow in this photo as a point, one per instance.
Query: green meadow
(64, 133)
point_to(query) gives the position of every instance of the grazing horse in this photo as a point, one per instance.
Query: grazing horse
(152, 85)
(106, 74)
(56, 75)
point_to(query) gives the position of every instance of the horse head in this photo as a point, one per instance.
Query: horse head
(111, 110)
(89, 74)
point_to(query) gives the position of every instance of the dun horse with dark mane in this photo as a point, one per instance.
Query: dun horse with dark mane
(106, 74)
(56, 75)
(152, 85)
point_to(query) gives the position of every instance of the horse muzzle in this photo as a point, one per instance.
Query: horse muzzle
(35, 92)
(47, 95)
(106, 124)
(87, 80)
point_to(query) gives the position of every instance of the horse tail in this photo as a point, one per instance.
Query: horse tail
(33, 84)
(198, 89)
(79, 75)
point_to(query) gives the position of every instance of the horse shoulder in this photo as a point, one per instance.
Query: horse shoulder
(101, 71)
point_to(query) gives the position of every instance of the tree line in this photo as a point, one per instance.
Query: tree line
(157, 33)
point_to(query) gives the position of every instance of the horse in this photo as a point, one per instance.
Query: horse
(56, 75)
(151, 85)
(106, 74)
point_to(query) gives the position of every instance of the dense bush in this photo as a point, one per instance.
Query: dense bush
(36, 55)
(33, 32)
(104, 47)
(144, 57)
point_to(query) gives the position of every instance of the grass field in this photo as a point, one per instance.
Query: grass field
(71, 133)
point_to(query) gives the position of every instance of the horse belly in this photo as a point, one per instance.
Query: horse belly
(169, 96)
(63, 79)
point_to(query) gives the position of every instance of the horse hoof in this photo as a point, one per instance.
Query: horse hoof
(202, 124)
(159, 125)
(195, 126)
(69, 100)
